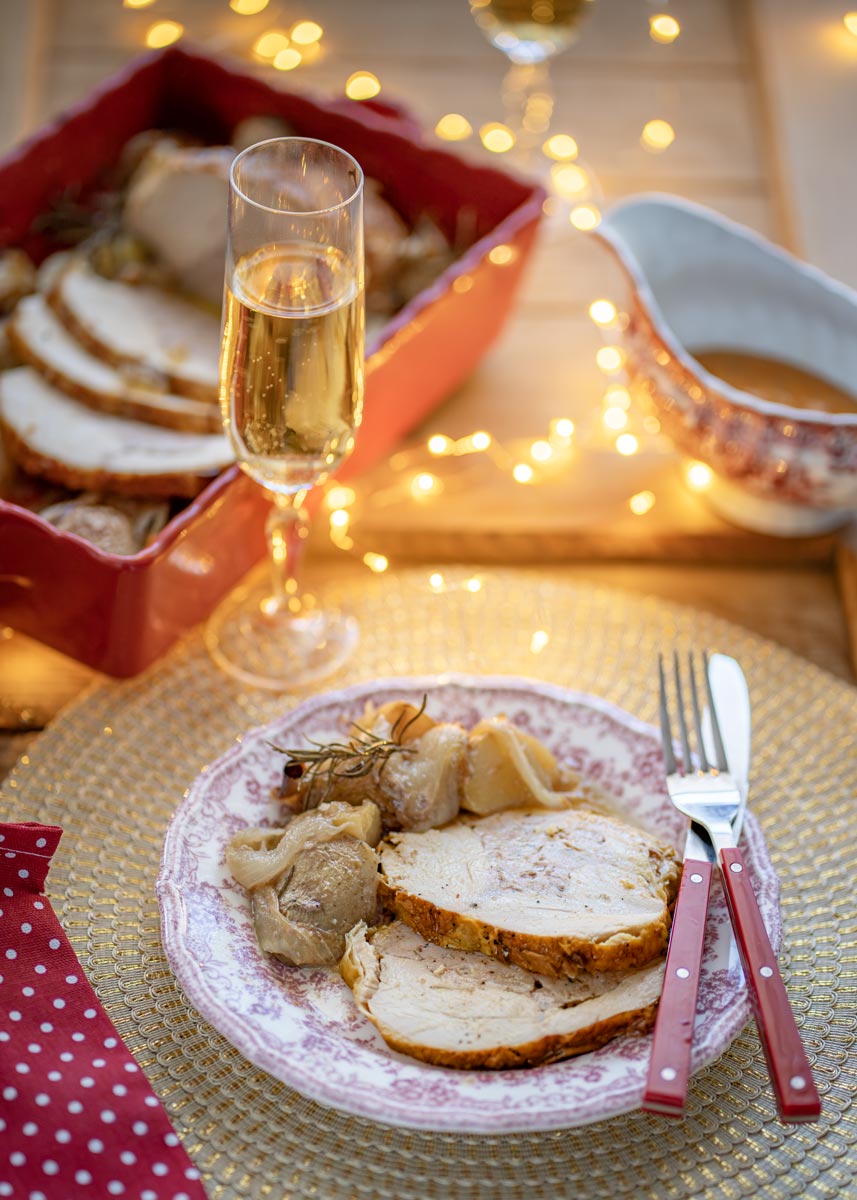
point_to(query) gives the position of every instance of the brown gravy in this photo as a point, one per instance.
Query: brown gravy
(776, 381)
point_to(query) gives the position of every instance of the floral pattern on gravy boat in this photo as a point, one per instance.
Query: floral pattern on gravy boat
(301, 1026)
(701, 280)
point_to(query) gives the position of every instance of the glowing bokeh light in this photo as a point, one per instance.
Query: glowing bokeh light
(522, 473)
(248, 8)
(541, 451)
(376, 562)
(163, 33)
(602, 312)
(698, 476)
(453, 127)
(850, 22)
(617, 396)
(642, 503)
(663, 28)
(339, 518)
(340, 497)
(439, 444)
(657, 135)
(610, 358)
(561, 147)
(615, 418)
(563, 427)
(306, 33)
(268, 45)
(501, 256)
(480, 440)
(627, 444)
(496, 137)
(585, 217)
(288, 59)
(362, 85)
(569, 180)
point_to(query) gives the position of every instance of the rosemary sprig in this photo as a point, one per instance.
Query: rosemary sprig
(325, 762)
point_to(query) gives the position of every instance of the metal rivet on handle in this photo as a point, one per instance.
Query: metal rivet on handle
(736, 867)
(695, 878)
(669, 1073)
(682, 972)
(798, 1082)
(767, 972)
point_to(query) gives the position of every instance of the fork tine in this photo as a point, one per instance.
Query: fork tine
(666, 732)
(719, 752)
(697, 720)
(685, 743)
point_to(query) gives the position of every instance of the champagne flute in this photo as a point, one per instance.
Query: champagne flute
(291, 386)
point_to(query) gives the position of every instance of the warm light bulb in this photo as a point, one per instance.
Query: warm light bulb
(538, 641)
(563, 427)
(248, 8)
(339, 518)
(269, 44)
(657, 135)
(522, 473)
(561, 147)
(541, 451)
(436, 581)
(288, 59)
(163, 33)
(362, 85)
(496, 137)
(603, 312)
(641, 503)
(663, 28)
(850, 22)
(627, 444)
(137, 3)
(481, 440)
(438, 444)
(453, 128)
(376, 562)
(473, 584)
(502, 255)
(615, 418)
(699, 476)
(585, 217)
(306, 33)
(610, 358)
(569, 180)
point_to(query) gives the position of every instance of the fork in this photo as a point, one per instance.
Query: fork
(710, 798)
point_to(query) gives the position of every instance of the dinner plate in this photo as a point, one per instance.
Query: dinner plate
(300, 1024)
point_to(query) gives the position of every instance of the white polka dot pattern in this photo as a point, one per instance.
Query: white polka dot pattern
(71, 1119)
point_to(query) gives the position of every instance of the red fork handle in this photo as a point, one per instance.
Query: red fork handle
(669, 1067)
(789, 1069)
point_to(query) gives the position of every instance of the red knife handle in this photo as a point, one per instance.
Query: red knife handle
(669, 1068)
(789, 1069)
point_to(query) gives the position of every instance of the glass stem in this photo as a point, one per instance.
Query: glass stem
(287, 529)
(528, 100)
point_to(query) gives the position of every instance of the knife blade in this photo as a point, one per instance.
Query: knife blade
(732, 702)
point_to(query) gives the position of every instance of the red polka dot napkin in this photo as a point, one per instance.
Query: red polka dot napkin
(78, 1118)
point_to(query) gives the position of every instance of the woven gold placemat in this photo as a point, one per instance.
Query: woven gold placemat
(113, 767)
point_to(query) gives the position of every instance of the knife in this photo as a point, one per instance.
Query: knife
(669, 1067)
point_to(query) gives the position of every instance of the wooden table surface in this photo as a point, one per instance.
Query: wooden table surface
(729, 152)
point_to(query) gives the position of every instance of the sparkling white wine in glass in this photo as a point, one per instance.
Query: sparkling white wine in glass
(530, 31)
(291, 389)
(292, 367)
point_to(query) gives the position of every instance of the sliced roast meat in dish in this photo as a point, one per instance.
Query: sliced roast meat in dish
(42, 341)
(465, 1010)
(557, 892)
(49, 434)
(139, 323)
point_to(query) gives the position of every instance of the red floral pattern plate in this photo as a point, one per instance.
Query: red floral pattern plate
(301, 1025)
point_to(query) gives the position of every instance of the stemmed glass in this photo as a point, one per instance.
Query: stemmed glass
(530, 33)
(291, 386)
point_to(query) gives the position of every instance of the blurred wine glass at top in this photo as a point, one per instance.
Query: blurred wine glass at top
(530, 33)
(291, 386)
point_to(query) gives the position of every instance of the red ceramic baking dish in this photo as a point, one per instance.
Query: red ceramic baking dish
(116, 613)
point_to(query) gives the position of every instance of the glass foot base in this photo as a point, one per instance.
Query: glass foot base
(279, 651)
